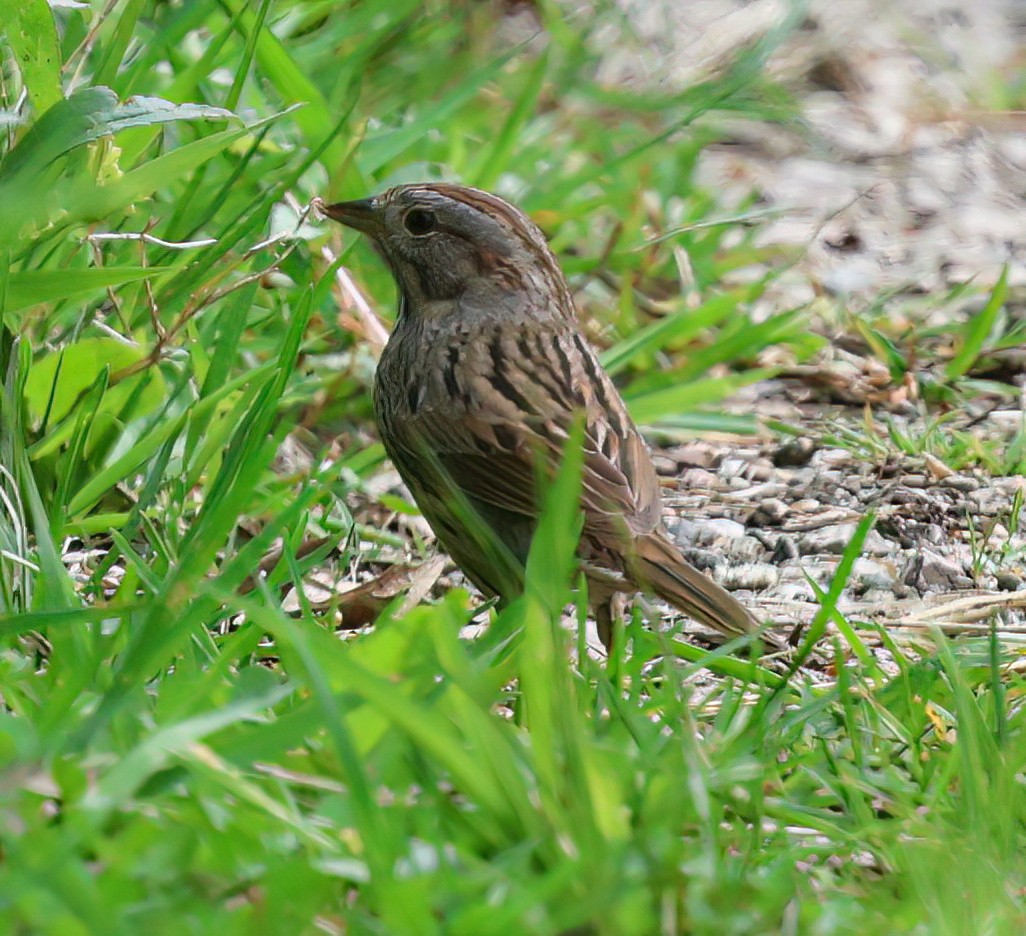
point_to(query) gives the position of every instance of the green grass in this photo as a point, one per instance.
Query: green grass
(183, 755)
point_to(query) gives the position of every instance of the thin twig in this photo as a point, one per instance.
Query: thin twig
(114, 333)
(148, 238)
(301, 216)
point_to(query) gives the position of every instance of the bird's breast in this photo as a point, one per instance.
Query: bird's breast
(422, 389)
(492, 369)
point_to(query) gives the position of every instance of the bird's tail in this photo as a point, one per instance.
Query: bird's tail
(657, 565)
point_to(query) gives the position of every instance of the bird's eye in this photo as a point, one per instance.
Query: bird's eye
(419, 222)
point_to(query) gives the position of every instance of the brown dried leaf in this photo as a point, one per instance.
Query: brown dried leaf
(361, 604)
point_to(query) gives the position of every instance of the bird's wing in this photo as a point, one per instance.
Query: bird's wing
(528, 395)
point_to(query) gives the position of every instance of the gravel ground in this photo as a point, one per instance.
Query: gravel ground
(766, 519)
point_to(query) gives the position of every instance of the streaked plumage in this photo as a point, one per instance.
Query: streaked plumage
(482, 378)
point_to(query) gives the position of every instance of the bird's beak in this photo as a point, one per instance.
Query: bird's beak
(362, 214)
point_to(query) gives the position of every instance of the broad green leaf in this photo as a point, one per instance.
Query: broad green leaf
(99, 201)
(28, 26)
(87, 115)
(32, 287)
(63, 375)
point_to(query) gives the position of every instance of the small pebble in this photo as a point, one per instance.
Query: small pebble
(696, 456)
(929, 571)
(785, 550)
(699, 478)
(1008, 581)
(833, 541)
(733, 466)
(960, 483)
(722, 529)
(752, 575)
(770, 512)
(794, 453)
(867, 574)
(937, 468)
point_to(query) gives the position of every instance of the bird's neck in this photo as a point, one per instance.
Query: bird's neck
(480, 303)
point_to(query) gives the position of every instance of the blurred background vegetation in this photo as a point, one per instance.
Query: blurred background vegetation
(183, 753)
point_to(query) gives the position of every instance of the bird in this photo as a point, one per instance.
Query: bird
(480, 382)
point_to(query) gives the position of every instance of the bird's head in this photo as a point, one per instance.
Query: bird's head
(446, 242)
